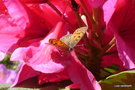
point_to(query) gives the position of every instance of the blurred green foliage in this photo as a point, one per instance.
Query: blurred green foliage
(122, 81)
(10, 64)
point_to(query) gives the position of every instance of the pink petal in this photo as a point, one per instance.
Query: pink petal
(6, 75)
(3, 9)
(13, 25)
(21, 27)
(96, 3)
(34, 1)
(39, 58)
(73, 86)
(108, 9)
(112, 59)
(2, 55)
(24, 73)
(64, 8)
(93, 3)
(79, 74)
(53, 77)
(122, 24)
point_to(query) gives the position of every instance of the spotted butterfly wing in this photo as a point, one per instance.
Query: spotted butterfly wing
(77, 36)
(67, 39)
(68, 42)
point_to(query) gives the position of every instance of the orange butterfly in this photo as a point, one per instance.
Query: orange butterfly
(68, 42)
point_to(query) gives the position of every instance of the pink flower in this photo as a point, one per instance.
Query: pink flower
(11, 28)
(29, 28)
(6, 75)
(54, 67)
(20, 27)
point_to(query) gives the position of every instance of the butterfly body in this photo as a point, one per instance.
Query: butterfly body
(58, 43)
(69, 41)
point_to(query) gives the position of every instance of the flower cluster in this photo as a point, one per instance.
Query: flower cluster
(27, 25)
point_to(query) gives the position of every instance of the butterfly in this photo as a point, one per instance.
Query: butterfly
(68, 42)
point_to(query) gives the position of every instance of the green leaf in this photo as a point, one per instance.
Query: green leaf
(105, 72)
(22, 89)
(10, 64)
(4, 86)
(112, 69)
(6, 60)
(121, 81)
(7, 87)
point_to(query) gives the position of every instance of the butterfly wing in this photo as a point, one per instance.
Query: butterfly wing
(68, 42)
(59, 44)
(77, 36)
(66, 39)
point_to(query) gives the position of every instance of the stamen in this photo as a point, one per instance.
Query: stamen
(99, 22)
(110, 53)
(81, 51)
(83, 17)
(109, 46)
(88, 14)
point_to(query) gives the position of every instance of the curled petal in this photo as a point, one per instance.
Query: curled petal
(24, 73)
